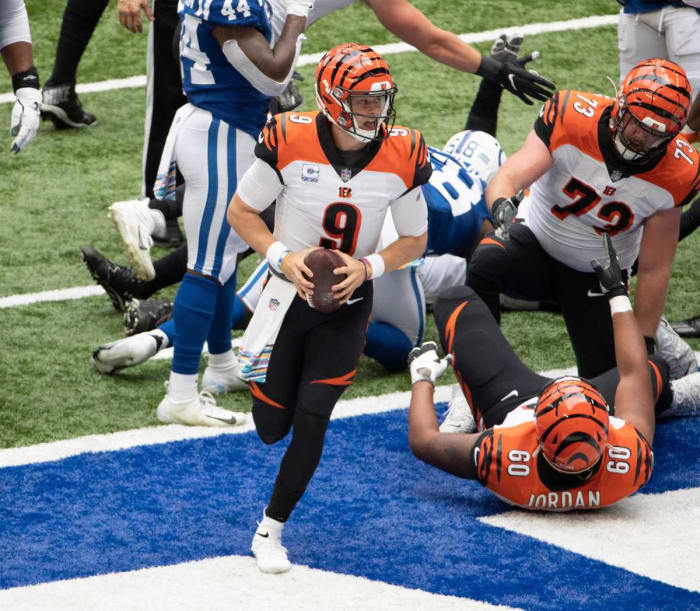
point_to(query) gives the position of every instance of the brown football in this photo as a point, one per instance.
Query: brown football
(322, 262)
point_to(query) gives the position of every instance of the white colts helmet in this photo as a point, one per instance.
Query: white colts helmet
(479, 151)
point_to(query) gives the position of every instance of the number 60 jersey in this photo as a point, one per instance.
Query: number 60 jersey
(590, 190)
(509, 463)
(332, 198)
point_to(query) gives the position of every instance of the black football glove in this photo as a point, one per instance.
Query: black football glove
(609, 274)
(514, 77)
(503, 211)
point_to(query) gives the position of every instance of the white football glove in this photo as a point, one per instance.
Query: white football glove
(300, 8)
(425, 364)
(26, 114)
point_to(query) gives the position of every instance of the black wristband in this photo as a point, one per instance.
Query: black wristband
(650, 343)
(26, 78)
(489, 68)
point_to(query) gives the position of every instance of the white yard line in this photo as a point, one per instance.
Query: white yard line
(388, 49)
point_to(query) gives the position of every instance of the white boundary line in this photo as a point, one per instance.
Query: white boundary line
(388, 49)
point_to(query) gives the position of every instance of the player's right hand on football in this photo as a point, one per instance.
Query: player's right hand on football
(296, 271)
(425, 364)
(25, 117)
(300, 8)
(609, 272)
(503, 211)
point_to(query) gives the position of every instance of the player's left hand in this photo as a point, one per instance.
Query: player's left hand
(425, 364)
(26, 115)
(355, 270)
(130, 14)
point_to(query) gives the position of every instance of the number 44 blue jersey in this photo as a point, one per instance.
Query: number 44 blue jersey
(209, 80)
(456, 205)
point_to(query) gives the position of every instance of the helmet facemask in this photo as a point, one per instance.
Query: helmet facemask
(361, 107)
(636, 138)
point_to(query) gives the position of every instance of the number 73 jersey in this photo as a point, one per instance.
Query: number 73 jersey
(508, 462)
(330, 199)
(589, 190)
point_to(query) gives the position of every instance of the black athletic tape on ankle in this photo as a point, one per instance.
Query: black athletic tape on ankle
(27, 78)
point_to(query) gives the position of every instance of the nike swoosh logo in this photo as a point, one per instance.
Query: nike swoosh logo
(351, 301)
(594, 294)
(231, 420)
(512, 393)
(265, 536)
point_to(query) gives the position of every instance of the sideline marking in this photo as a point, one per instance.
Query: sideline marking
(531, 29)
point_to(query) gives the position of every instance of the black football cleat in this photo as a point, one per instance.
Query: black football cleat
(688, 328)
(146, 314)
(118, 281)
(62, 106)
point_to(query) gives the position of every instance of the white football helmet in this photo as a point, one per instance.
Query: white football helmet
(479, 151)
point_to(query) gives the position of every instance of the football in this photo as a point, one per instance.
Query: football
(322, 262)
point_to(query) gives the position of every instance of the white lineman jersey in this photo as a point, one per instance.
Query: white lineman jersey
(321, 201)
(581, 196)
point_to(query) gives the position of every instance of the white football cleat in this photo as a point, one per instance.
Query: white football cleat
(217, 381)
(686, 397)
(126, 352)
(270, 554)
(201, 411)
(459, 418)
(675, 351)
(135, 222)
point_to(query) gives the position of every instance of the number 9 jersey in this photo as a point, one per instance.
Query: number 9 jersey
(510, 464)
(590, 189)
(332, 198)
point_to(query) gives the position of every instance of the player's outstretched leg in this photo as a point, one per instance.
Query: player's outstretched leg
(127, 352)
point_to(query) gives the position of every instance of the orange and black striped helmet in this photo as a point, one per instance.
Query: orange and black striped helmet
(651, 108)
(571, 424)
(350, 71)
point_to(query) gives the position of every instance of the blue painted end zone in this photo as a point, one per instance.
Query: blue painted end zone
(371, 510)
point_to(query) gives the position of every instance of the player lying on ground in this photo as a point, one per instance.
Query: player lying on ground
(547, 444)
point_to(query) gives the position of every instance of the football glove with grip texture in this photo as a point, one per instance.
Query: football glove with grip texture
(513, 77)
(26, 114)
(425, 364)
(609, 273)
(503, 211)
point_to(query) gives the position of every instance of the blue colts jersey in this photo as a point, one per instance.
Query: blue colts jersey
(456, 206)
(209, 80)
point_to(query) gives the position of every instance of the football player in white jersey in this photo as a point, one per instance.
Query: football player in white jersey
(334, 175)
(594, 165)
(230, 71)
(16, 51)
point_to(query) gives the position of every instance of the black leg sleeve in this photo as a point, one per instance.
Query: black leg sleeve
(483, 115)
(79, 21)
(169, 270)
(170, 209)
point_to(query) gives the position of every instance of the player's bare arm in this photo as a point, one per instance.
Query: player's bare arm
(634, 402)
(656, 254)
(408, 23)
(274, 63)
(450, 452)
(520, 170)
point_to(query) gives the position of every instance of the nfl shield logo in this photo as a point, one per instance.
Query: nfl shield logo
(345, 174)
(615, 175)
(274, 304)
